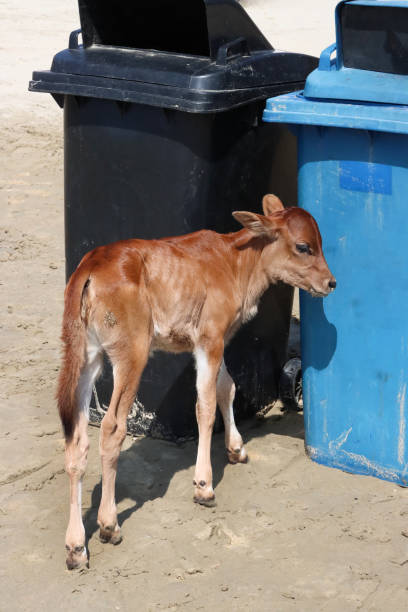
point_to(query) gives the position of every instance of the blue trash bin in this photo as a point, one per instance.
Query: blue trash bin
(353, 178)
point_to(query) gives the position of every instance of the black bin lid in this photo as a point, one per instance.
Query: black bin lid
(192, 55)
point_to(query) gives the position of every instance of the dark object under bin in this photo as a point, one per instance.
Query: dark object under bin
(163, 136)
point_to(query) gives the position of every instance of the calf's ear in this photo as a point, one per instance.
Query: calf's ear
(271, 204)
(256, 224)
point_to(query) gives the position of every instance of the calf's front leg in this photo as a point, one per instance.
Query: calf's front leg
(208, 361)
(225, 399)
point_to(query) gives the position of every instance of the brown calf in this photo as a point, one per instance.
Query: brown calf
(189, 293)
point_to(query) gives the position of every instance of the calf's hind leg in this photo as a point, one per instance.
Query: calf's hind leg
(127, 371)
(76, 453)
(225, 399)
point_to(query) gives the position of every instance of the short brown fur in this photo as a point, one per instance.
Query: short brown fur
(187, 293)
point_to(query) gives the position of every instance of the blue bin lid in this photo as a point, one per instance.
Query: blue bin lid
(369, 61)
(296, 108)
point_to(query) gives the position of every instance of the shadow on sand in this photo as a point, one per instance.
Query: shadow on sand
(147, 467)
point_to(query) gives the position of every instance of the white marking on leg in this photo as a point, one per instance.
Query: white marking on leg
(225, 399)
(203, 369)
(203, 375)
(90, 372)
(205, 412)
(77, 451)
(76, 458)
(93, 346)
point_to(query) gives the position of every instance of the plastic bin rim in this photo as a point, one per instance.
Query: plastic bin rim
(390, 3)
(295, 108)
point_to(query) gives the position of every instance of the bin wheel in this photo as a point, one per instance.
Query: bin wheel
(290, 385)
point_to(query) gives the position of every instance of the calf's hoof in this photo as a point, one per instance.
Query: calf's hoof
(77, 557)
(238, 455)
(204, 494)
(110, 533)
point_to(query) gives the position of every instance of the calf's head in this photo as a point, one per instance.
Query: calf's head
(292, 249)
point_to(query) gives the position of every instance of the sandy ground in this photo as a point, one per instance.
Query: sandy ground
(286, 534)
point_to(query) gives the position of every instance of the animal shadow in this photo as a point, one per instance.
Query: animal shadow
(147, 467)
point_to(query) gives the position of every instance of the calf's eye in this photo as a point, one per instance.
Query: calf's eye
(303, 248)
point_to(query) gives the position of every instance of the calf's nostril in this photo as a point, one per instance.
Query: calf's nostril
(332, 284)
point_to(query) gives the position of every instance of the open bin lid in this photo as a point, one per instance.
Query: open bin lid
(191, 55)
(371, 62)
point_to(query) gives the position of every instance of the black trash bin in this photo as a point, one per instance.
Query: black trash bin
(163, 136)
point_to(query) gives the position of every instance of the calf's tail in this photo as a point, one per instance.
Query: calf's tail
(74, 339)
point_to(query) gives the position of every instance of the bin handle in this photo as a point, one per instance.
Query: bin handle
(231, 50)
(73, 39)
(326, 62)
